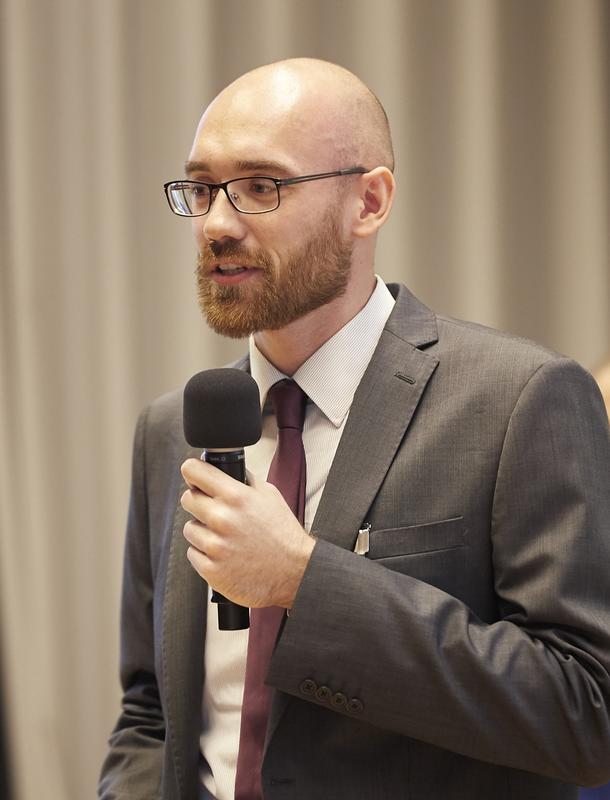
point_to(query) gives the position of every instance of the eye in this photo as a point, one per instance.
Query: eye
(254, 195)
(261, 186)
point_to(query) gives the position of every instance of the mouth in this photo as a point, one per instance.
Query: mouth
(230, 269)
(232, 273)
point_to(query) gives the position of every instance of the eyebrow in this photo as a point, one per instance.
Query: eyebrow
(257, 165)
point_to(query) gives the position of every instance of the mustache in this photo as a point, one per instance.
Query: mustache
(234, 250)
(227, 249)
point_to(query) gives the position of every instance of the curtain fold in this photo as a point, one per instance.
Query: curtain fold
(501, 124)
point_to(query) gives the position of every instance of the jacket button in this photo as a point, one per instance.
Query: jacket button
(324, 694)
(355, 706)
(308, 687)
(339, 700)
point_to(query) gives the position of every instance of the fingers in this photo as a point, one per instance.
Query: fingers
(199, 561)
(212, 512)
(202, 545)
(206, 549)
(243, 539)
(208, 479)
(195, 534)
(194, 501)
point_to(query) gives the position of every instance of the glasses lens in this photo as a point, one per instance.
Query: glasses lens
(253, 195)
(189, 199)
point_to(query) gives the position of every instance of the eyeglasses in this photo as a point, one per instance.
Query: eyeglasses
(256, 194)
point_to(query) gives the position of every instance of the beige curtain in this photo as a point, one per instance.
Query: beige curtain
(501, 122)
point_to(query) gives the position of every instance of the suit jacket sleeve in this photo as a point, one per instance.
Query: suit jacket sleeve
(133, 766)
(528, 690)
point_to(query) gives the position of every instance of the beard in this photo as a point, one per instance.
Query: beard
(309, 278)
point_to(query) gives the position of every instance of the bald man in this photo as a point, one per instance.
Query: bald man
(447, 625)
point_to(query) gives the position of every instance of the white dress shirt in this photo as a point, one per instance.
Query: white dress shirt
(329, 378)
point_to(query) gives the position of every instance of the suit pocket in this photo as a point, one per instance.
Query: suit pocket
(446, 534)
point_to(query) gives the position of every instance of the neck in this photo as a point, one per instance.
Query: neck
(290, 346)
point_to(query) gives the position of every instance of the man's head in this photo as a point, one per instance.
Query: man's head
(290, 119)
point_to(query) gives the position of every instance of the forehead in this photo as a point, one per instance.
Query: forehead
(225, 150)
(262, 126)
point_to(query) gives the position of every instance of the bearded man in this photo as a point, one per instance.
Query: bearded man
(445, 630)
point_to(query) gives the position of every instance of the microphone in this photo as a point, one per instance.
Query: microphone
(222, 414)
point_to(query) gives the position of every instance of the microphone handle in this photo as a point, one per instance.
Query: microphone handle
(231, 616)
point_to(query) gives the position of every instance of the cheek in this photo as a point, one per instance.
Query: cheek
(197, 231)
(273, 240)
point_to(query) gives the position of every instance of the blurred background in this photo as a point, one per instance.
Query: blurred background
(501, 120)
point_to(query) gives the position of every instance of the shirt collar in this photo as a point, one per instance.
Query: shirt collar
(331, 375)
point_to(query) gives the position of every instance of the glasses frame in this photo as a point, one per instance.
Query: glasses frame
(214, 187)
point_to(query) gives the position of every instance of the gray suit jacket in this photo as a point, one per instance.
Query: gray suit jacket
(467, 655)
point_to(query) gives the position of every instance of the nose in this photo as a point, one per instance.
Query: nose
(223, 220)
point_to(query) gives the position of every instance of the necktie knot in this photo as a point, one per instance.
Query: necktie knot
(288, 401)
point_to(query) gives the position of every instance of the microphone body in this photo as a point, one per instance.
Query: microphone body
(231, 462)
(231, 616)
(222, 415)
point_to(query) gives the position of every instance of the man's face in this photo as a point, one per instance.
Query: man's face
(259, 272)
(298, 280)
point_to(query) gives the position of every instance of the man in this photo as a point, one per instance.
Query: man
(448, 626)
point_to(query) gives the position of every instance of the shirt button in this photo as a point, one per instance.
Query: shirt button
(308, 687)
(339, 700)
(324, 694)
(355, 706)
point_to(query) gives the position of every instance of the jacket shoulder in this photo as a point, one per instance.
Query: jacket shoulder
(477, 337)
(500, 366)
(488, 352)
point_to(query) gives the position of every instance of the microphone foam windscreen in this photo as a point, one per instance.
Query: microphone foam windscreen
(221, 409)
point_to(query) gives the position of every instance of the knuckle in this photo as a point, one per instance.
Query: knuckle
(234, 495)
(217, 517)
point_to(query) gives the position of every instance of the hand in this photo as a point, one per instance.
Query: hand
(245, 541)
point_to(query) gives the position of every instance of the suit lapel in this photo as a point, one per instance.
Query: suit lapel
(184, 622)
(381, 412)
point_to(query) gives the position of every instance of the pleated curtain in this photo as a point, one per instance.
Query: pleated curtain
(500, 116)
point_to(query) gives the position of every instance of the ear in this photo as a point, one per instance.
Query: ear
(375, 200)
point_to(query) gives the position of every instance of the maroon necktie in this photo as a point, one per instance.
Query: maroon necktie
(287, 472)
